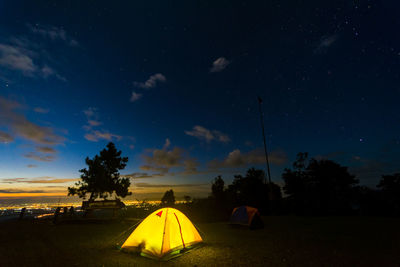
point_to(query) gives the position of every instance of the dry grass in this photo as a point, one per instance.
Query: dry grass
(285, 241)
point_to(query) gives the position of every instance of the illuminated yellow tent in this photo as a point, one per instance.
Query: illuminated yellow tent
(163, 234)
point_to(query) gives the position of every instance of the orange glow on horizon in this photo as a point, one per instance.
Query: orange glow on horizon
(50, 194)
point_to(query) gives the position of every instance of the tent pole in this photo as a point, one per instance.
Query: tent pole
(265, 144)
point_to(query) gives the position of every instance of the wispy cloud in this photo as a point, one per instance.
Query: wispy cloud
(19, 55)
(53, 33)
(167, 143)
(142, 175)
(326, 42)
(15, 58)
(19, 191)
(31, 165)
(219, 64)
(40, 157)
(203, 133)
(135, 96)
(237, 159)
(39, 180)
(47, 71)
(94, 123)
(95, 136)
(5, 137)
(92, 117)
(152, 81)
(46, 149)
(90, 112)
(41, 110)
(21, 126)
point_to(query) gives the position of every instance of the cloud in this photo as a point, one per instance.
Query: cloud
(326, 42)
(151, 82)
(15, 58)
(162, 160)
(236, 159)
(46, 149)
(18, 191)
(92, 118)
(5, 137)
(208, 135)
(154, 168)
(41, 110)
(135, 96)
(190, 166)
(90, 112)
(93, 121)
(46, 71)
(40, 180)
(53, 33)
(167, 143)
(31, 166)
(38, 157)
(24, 128)
(19, 56)
(142, 175)
(219, 64)
(95, 136)
(168, 185)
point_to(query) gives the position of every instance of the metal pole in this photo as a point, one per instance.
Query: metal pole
(263, 133)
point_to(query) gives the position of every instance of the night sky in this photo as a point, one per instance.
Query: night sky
(174, 85)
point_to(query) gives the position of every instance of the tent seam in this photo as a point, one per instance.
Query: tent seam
(165, 223)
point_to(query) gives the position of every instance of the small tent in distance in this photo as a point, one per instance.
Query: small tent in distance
(163, 234)
(247, 216)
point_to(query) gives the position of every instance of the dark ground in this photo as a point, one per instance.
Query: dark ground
(285, 241)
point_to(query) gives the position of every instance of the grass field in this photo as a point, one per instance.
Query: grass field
(285, 241)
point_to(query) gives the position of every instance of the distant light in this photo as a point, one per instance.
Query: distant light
(361, 139)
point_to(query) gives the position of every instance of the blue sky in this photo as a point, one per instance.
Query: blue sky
(175, 87)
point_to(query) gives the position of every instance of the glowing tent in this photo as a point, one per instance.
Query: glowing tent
(163, 234)
(248, 216)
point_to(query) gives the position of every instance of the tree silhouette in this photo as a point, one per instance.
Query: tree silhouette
(217, 189)
(168, 198)
(102, 178)
(187, 198)
(319, 186)
(390, 186)
(251, 190)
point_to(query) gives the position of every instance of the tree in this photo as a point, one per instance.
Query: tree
(390, 183)
(251, 190)
(187, 199)
(390, 186)
(217, 188)
(101, 178)
(319, 186)
(168, 198)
